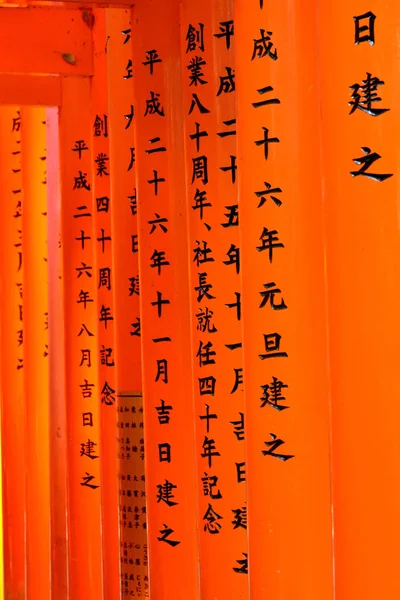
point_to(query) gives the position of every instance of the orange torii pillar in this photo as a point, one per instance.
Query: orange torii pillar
(80, 313)
(103, 244)
(208, 73)
(1, 514)
(57, 405)
(36, 351)
(359, 91)
(126, 288)
(11, 339)
(284, 339)
(164, 296)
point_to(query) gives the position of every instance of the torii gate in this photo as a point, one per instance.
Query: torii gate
(213, 235)
(54, 69)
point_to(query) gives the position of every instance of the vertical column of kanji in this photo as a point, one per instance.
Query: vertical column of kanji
(125, 282)
(83, 396)
(36, 363)
(360, 97)
(105, 344)
(13, 407)
(284, 342)
(57, 406)
(167, 382)
(210, 126)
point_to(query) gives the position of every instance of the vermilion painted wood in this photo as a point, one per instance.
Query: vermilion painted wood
(126, 290)
(36, 351)
(1, 521)
(288, 453)
(11, 340)
(69, 3)
(164, 296)
(362, 256)
(213, 243)
(58, 405)
(28, 90)
(82, 391)
(46, 35)
(105, 353)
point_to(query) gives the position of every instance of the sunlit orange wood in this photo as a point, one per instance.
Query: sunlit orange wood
(164, 295)
(288, 462)
(101, 3)
(45, 41)
(207, 41)
(80, 310)
(14, 3)
(57, 406)
(86, 5)
(105, 330)
(125, 271)
(11, 339)
(30, 90)
(36, 351)
(360, 95)
(1, 512)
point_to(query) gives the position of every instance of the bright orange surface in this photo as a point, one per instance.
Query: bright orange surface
(362, 255)
(126, 290)
(80, 308)
(172, 526)
(105, 330)
(36, 351)
(216, 351)
(81, 513)
(57, 33)
(13, 407)
(289, 499)
(30, 91)
(58, 405)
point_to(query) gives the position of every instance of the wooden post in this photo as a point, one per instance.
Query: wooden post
(57, 366)
(12, 356)
(284, 335)
(80, 310)
(164, 303)
(1, 511)
(36, 351)
(359, 93)
(208, 72)
(102, 168)
(125, 266)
